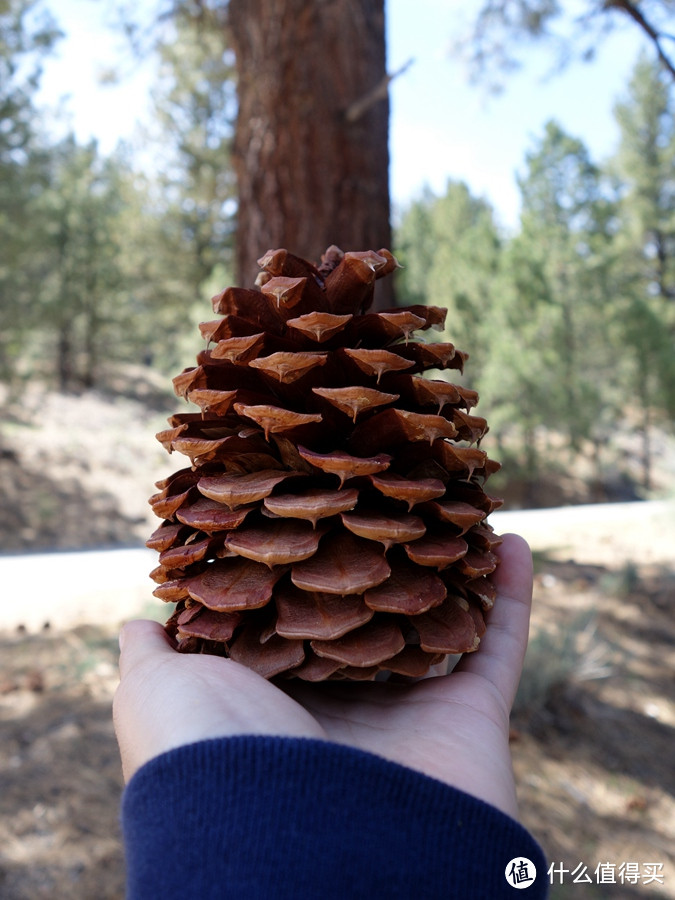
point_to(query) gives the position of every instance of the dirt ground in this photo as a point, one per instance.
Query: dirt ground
(592, 734)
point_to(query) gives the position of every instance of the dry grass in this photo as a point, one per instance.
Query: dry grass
(595, 722)
(60, 776)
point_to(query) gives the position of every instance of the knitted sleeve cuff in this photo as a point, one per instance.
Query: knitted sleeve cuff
(266, 818)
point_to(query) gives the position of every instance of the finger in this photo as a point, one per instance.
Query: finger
(140, 640)
(502, 649)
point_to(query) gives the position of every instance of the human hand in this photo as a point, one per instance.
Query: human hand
(453, 727)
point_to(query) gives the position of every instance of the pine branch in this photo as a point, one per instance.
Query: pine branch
(631, 10)
(379, 92)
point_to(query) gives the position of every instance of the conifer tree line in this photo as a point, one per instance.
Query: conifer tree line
(570, 321)
(101, 264)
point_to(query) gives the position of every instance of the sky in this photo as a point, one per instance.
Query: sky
(441, 128)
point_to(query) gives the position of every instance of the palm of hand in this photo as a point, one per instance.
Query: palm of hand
(453, 728)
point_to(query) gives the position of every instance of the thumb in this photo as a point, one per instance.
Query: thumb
(140, 640)
(500, 658)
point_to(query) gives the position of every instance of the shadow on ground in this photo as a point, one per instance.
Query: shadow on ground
(43, 511)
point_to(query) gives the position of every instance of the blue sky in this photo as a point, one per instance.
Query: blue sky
(441, 126)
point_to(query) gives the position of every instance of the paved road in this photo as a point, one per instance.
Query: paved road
(604, 533)
(67, 589)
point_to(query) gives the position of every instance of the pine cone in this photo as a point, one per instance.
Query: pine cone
(332, 523)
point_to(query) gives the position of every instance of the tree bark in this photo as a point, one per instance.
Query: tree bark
(311, 146)
(64, 358)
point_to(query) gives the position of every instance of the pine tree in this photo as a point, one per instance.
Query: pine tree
(551, 366)
(645, 278)
(25, 35)
(449, 248)
(196, 106)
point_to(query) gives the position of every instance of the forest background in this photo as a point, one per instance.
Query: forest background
(107, 263)
(108, 258)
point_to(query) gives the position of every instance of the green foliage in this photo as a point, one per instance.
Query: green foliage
(571, 321)
(646, 166)
(101, 264)
(78, 297)
(26, 33)
(196, 105)
(449, 248)
(555, 275)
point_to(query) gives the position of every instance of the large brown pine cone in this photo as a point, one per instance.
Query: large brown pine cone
(332, 523)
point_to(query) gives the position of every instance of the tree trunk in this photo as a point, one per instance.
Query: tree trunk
(645, 429)
(311, 147)
(64, 359)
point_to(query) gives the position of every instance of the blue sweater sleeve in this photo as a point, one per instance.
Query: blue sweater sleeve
(262, 818)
